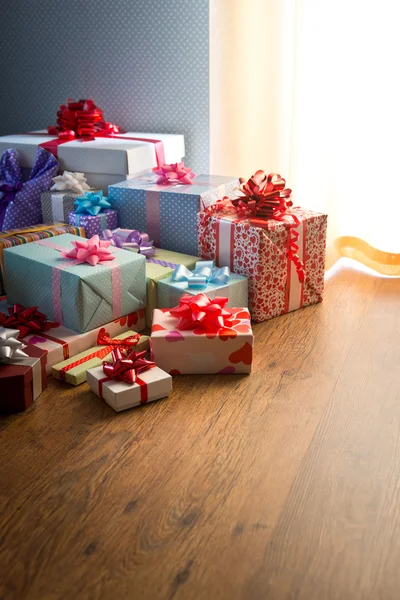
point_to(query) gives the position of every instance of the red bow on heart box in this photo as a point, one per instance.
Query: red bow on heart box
(200, 311)
(26, 320)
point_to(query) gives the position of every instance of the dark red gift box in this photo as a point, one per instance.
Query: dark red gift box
(17, 382)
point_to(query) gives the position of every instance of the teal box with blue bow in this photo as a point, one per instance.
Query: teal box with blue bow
(79, 283)
(205, 279)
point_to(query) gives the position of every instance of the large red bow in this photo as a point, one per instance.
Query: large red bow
(126, 367)
(200, 311)
(26, 320)
(82, 119)
(263, 196)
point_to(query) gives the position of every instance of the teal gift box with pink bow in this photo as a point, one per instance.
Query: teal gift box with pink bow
(80, 283)
(93, 212)
(205, 278)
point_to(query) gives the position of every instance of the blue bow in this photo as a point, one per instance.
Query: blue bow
(91, 203)
(20, 204)
(204, 273)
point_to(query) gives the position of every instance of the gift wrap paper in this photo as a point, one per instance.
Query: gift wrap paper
(73, 370)
(103, 160)
(61, 343)
(159, 266)
(56, 205)
(168, 212)
(236, 290)
(22, 383)
(260, 253)
(16, 237)
(121, 395)
(79, 296)
(95, 224)
(188, 352)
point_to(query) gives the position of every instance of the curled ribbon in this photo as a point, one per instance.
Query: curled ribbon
(91, 251)
(82, 119)
(174, 173)
(91, 203)
(223, 205)
(200, 311)
(26, 320)
(204, 273)
(130, 239)
(76, 182)
(126, 367)
(10, 346)
(104, 339)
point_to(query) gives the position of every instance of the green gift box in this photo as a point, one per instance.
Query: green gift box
(158, 267)
(75, 293)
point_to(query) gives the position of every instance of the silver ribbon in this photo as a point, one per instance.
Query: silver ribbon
(10, 346)
(11, 353)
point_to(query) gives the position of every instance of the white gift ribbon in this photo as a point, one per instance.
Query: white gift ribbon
(75, 182)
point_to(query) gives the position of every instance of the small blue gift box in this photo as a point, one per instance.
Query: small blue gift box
(205, 279)
(72, 292)
(168, 212)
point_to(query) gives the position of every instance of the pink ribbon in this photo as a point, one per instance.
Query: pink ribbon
(91, 251)
(174, 173)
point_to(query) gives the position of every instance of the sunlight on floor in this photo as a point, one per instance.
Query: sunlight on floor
(349, 263)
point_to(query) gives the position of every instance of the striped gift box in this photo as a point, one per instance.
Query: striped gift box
(16, 237)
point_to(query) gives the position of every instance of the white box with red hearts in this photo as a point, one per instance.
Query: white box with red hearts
(196, 352)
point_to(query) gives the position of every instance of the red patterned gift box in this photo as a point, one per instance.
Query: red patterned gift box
(259, 248)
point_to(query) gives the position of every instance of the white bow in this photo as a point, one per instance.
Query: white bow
(10, 347)
(76, 182)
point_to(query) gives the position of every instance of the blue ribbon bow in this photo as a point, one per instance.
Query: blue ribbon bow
(20, 204)
(91, 203)
(204, 273)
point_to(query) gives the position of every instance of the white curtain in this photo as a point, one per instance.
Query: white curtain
(311, 89)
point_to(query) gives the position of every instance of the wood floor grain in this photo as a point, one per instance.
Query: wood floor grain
(284, 485)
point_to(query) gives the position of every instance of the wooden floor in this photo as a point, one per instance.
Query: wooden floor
(282, 485)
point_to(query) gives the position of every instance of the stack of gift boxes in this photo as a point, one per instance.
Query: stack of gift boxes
(126, 237)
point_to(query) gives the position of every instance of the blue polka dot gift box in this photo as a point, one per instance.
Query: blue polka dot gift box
(168, 212)
(82, 284)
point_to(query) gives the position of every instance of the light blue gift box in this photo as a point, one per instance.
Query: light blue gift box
(86, 296)
(234, 287)
(168, 213)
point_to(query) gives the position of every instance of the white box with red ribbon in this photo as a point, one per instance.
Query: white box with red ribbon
(104, 160)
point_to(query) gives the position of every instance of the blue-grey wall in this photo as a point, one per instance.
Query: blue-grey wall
(144, 62)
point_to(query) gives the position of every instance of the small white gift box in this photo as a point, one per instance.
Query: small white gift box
(151, 385)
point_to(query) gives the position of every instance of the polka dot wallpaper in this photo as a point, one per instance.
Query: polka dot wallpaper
(144, 62)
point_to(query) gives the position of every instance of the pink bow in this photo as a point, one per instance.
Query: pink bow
(174, 173)
(91, 251)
